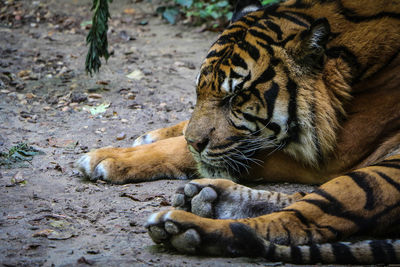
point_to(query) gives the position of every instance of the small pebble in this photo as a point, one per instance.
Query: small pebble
(121, 136)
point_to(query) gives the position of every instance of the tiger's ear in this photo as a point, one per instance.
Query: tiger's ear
(312, 44)
(244, 7)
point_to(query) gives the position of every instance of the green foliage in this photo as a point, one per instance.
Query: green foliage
(267, 2)
(97, 36)
(215, 13)
(18, 153)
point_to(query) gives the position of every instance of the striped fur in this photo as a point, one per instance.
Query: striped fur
(280, 79)
(308, 90)
(365, 201)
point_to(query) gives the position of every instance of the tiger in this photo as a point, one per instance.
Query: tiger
(302, 91)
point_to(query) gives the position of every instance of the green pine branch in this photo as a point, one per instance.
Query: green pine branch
(97, 36)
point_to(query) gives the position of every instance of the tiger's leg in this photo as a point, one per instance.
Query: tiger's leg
(224, 199)
(160, 134)
(363, 201)
(167, 158)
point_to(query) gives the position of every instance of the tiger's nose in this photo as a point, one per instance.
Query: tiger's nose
(199, 146)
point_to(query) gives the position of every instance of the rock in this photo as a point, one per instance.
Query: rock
(131, 96)
(121, 136)
(78, 97)
(20, 87)
(147, 72)
(30, 96)
(83, 260)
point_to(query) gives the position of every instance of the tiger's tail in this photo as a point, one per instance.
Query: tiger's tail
(362, 252)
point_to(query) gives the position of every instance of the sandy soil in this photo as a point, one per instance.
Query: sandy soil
(48, 214)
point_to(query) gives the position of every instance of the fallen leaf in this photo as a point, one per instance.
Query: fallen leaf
(59, 235)
(23, 73)
(61, 143)
(42, 233)
(97, 109)
(95, 96)
(85, 261)
(135, 75)
(129, 11)
(103, 82)
(60, 224)
(129, 196)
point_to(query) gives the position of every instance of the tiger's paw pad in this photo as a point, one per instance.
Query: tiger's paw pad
(163, 230)
(196, 198)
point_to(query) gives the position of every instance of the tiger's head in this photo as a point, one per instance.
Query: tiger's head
(262, 87)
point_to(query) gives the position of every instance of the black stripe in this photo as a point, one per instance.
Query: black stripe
(333, 207)
(271, 252)
(352, 16)
(389, 180)
(361, 179)
(299, 4)
(388, 165)
(245, 241)
(214, 53)
(239, 127)
(266, 76)
(295, 254)
(298, 215)
(306, 17)
(383, 251)
(237, 60)
(235, 26)
(392, 160)
(290, 18)
(276, 128)
(262, 36)
(266, 47)
(315, 254)
(270, 98)
(342, 253)
(250, 49)
(275, 28)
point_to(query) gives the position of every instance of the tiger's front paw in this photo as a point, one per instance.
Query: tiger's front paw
(167, 158)
(117, 165)
(189, 233)
(224, 199)
(99, 165)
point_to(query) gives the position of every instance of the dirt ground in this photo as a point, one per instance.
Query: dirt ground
(49, 215)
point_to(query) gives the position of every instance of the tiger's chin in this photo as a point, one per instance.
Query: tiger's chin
(219, 171)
